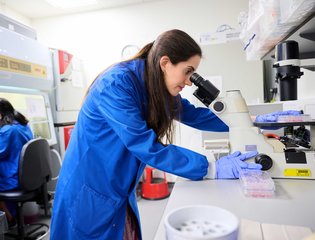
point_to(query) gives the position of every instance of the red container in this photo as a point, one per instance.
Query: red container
(154, 188)
(64, 60)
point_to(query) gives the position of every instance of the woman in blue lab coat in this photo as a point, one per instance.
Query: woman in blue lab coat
(126, 122)
(14, 133)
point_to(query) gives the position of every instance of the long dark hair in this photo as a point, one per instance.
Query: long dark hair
(9, 114)
(163, 107)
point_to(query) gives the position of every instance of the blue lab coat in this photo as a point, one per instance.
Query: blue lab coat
(108, 151)
(12, 139)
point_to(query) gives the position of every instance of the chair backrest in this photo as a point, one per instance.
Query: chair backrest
(55, 169)
(34, 165)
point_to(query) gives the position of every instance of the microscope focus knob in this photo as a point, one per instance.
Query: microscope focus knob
(264, 160)
(218, 106)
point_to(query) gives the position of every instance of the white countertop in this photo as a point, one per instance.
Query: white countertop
(292, 204)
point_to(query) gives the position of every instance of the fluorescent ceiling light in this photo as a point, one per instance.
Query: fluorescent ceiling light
(71, 3)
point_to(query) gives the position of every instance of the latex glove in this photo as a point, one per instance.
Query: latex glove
(230, 165)
(273, 117)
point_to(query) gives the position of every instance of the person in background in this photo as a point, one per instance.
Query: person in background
(14, 133)
(126, 122)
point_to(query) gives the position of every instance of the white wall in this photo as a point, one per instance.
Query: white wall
(306, 85)
(98, 37)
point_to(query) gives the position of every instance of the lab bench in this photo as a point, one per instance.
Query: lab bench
(293, 202)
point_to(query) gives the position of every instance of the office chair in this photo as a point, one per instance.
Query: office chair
(34, 173)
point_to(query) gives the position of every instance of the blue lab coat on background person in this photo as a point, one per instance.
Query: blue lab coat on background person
(12, 139)
(108, 151)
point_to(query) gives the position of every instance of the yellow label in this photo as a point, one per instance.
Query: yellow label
(297, 172)
(18, 66)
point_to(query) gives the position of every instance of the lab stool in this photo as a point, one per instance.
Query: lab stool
(154, 188)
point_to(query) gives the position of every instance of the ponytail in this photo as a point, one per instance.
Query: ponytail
(143, 52)
(9, 114)
(20, 118)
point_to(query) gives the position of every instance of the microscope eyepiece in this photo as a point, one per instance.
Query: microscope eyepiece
(206, 92)
(196, 78)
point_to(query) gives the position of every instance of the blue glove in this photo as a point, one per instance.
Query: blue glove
(230, 165)
(273, 117)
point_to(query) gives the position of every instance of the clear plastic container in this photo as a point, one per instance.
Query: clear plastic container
(270, 21)
(256, 183)
(295, 11)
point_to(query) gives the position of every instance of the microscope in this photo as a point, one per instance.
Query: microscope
(245, 135)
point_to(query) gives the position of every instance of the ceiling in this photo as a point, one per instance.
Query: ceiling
(33, 9)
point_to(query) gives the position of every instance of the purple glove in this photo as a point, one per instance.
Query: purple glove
(273, 117)
(230, 165)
